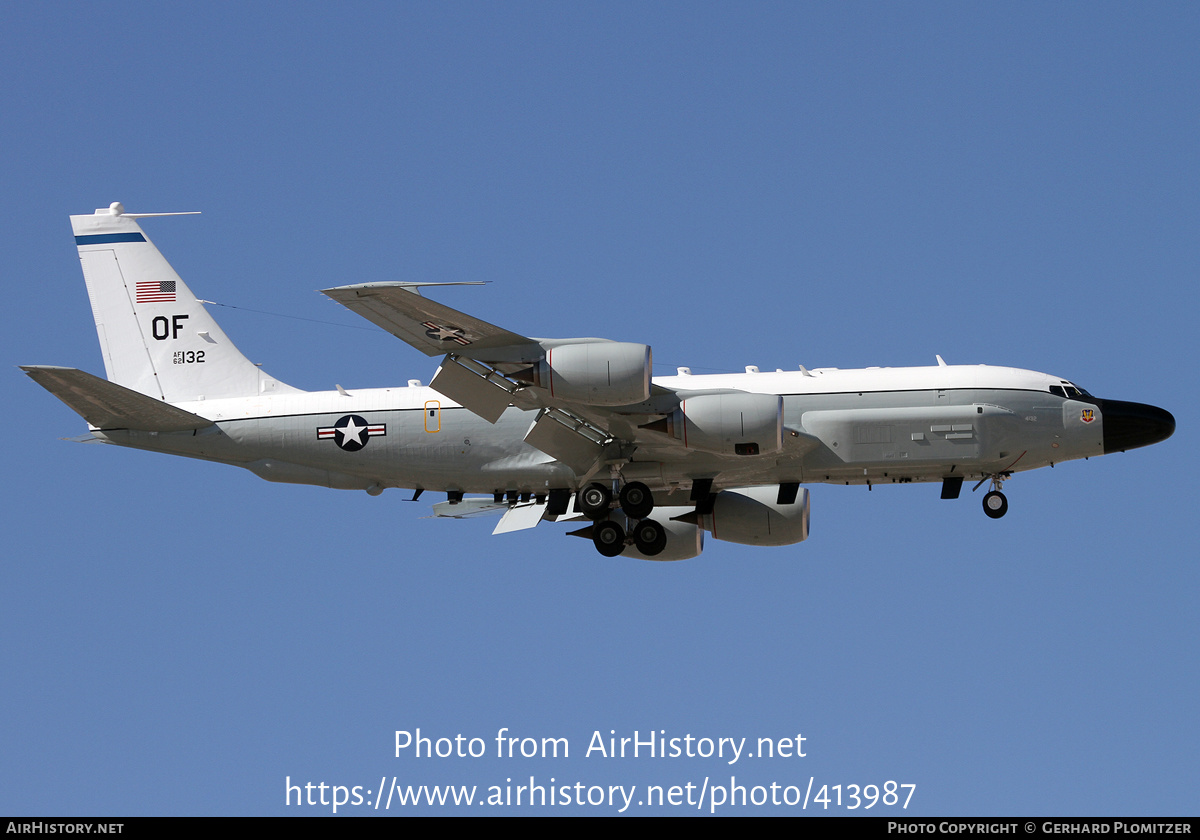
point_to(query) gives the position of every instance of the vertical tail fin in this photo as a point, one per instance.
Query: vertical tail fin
(157, 338)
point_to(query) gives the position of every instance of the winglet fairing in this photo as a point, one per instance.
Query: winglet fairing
(652, 463)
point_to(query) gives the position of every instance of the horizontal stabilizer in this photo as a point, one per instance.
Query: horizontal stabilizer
(106, 405)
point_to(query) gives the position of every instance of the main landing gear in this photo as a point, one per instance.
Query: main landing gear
(608, 537)
(595, 501)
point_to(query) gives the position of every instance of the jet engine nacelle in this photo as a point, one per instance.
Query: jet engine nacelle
(596, 372)
(727, 424)
(684, 540)
(751, 516)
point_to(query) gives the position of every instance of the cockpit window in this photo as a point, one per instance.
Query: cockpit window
(1068, 391)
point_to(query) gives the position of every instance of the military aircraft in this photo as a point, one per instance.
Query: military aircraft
(562, 429)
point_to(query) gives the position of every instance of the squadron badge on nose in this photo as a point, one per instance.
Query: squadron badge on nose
(351, 432)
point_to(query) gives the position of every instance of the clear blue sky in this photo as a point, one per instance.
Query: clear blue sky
(773, 184)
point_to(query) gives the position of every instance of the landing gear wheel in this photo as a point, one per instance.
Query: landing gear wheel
(608, 537)
(995, 505)
(594, 501)
(636, 500)
(649, 537)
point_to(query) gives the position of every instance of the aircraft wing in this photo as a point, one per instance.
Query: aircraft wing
(427, 325)
(595, 399)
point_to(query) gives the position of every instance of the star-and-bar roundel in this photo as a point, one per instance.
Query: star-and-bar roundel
(443, 332)
(351, 432)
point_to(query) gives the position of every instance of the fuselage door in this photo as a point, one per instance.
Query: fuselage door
(433, 416)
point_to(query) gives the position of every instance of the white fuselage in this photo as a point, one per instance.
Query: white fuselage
(861, 426)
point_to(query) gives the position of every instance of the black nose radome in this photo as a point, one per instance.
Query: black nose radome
(1128, 425)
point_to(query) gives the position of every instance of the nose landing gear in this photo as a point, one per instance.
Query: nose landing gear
(995, 503)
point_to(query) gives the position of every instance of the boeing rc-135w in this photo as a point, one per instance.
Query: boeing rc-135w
(562, 429)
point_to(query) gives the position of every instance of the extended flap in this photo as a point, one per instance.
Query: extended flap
(551, 435)
(470, 390)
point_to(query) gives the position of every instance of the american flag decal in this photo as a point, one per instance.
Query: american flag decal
(156, 291)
